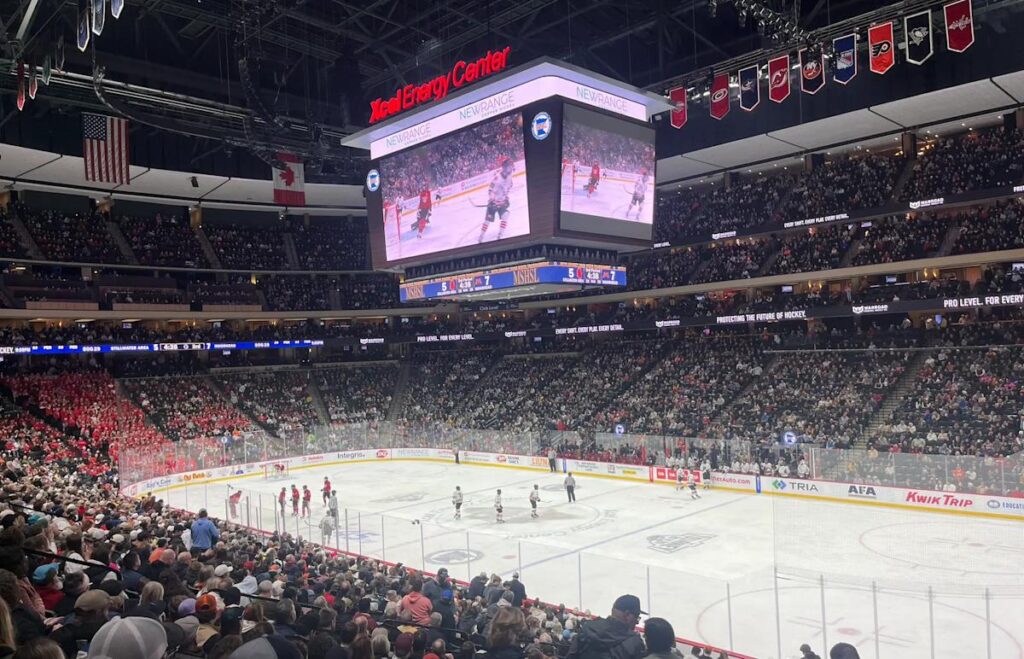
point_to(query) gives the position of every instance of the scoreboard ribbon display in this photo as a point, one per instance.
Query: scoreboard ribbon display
(546, 272)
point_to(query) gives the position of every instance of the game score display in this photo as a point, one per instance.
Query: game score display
(544, 272)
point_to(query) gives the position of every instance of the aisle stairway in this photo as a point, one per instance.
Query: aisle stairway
(401, 392)
(122, 243)
(208, 251)
(896, 396)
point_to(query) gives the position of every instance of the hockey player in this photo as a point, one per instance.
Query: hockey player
(498, 199)
(639, 192)
(307, 500)
(235, 497)
(457, 502)
(595, 178)
(326, 490)
(332, 506)
(534, 498)
(423, 213)
(705, 472)
(499, 517)
(693, 489)
(281, 498)
(680, 478)
(295, 500)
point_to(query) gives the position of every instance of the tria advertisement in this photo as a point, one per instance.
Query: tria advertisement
(462, 73)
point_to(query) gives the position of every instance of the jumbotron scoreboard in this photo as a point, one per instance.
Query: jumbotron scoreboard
(542, 154)
(541, 278)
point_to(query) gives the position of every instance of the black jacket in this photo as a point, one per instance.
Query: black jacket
(607, 638)
(476, 586)
(518, 590)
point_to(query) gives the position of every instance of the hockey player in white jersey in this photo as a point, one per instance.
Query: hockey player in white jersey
(457, 502)
(534, 498)
(498, 200)
(639, 192)
(498, 510)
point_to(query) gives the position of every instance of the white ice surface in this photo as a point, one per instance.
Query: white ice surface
(699, 563)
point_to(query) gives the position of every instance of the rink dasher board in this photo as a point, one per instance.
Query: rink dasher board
(954, 503)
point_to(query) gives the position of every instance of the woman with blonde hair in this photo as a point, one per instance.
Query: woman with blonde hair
(151, 601)
(507, 628)
(7, 634)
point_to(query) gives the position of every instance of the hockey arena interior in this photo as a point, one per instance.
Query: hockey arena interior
(512, 330)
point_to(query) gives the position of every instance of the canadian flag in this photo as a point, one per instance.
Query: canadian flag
(289, 181)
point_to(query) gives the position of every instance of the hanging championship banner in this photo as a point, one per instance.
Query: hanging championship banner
(47, 69)
(21, 86)
(59, 56)
(845, 51)
(33, 82)
(116, 7)
(720, 96)
(99, 16)
(812, 70)
(750, 90)
(84, 9)
(917, 29)
(959, 25)
(881, 49)
(678, 116)
(778, 78)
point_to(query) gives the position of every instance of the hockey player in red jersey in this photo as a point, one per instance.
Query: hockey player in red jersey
(595, 178)
(295, 501)
(423, 214)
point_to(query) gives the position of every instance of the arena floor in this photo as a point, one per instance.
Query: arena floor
(698, 563)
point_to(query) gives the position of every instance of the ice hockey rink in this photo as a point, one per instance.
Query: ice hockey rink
(611, 199)
(753, 573)
(456, 222)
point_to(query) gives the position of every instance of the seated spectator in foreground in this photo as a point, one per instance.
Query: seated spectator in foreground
(612, 637)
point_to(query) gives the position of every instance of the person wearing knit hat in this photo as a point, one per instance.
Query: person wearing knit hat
(403, 645)
(267, 647)
(129, 638)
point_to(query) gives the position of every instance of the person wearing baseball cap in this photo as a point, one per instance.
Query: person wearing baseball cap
(613, 637)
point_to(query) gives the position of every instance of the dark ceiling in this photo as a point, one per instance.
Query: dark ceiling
(301, 72)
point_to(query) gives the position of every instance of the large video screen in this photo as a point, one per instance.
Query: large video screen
(607, 175)
(461, 190)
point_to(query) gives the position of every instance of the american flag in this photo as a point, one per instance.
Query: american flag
(105, 148)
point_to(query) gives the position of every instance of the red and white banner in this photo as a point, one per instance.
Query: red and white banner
(678, 116)
(881, 47)
(778, 78)
(720, 96)
(105, 148)
(812, 71)
(290, 182)
(959, 25)
(21, 86)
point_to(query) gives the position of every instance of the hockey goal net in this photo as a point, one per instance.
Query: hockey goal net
(275, 471)
(568, 178)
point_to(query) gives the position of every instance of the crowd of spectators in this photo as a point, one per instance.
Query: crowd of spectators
(976, 160)
(10, 242)
(688, 388)
(88, 406)
(331, 243)
(163, 240)
(584, 146)
(440, 382)
(298, 293)
(278, 400)
(901, 239)
(80, 237)
(248, 247)
(843, 185)
(992, 228)
(515, 383)
(187, 408)
(741, 259)
(812, 250)
(824, 397)
(357, 395)
(455, 158)
(962, 402)
(750, 202)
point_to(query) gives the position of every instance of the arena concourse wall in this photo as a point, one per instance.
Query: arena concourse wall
(978, 505)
